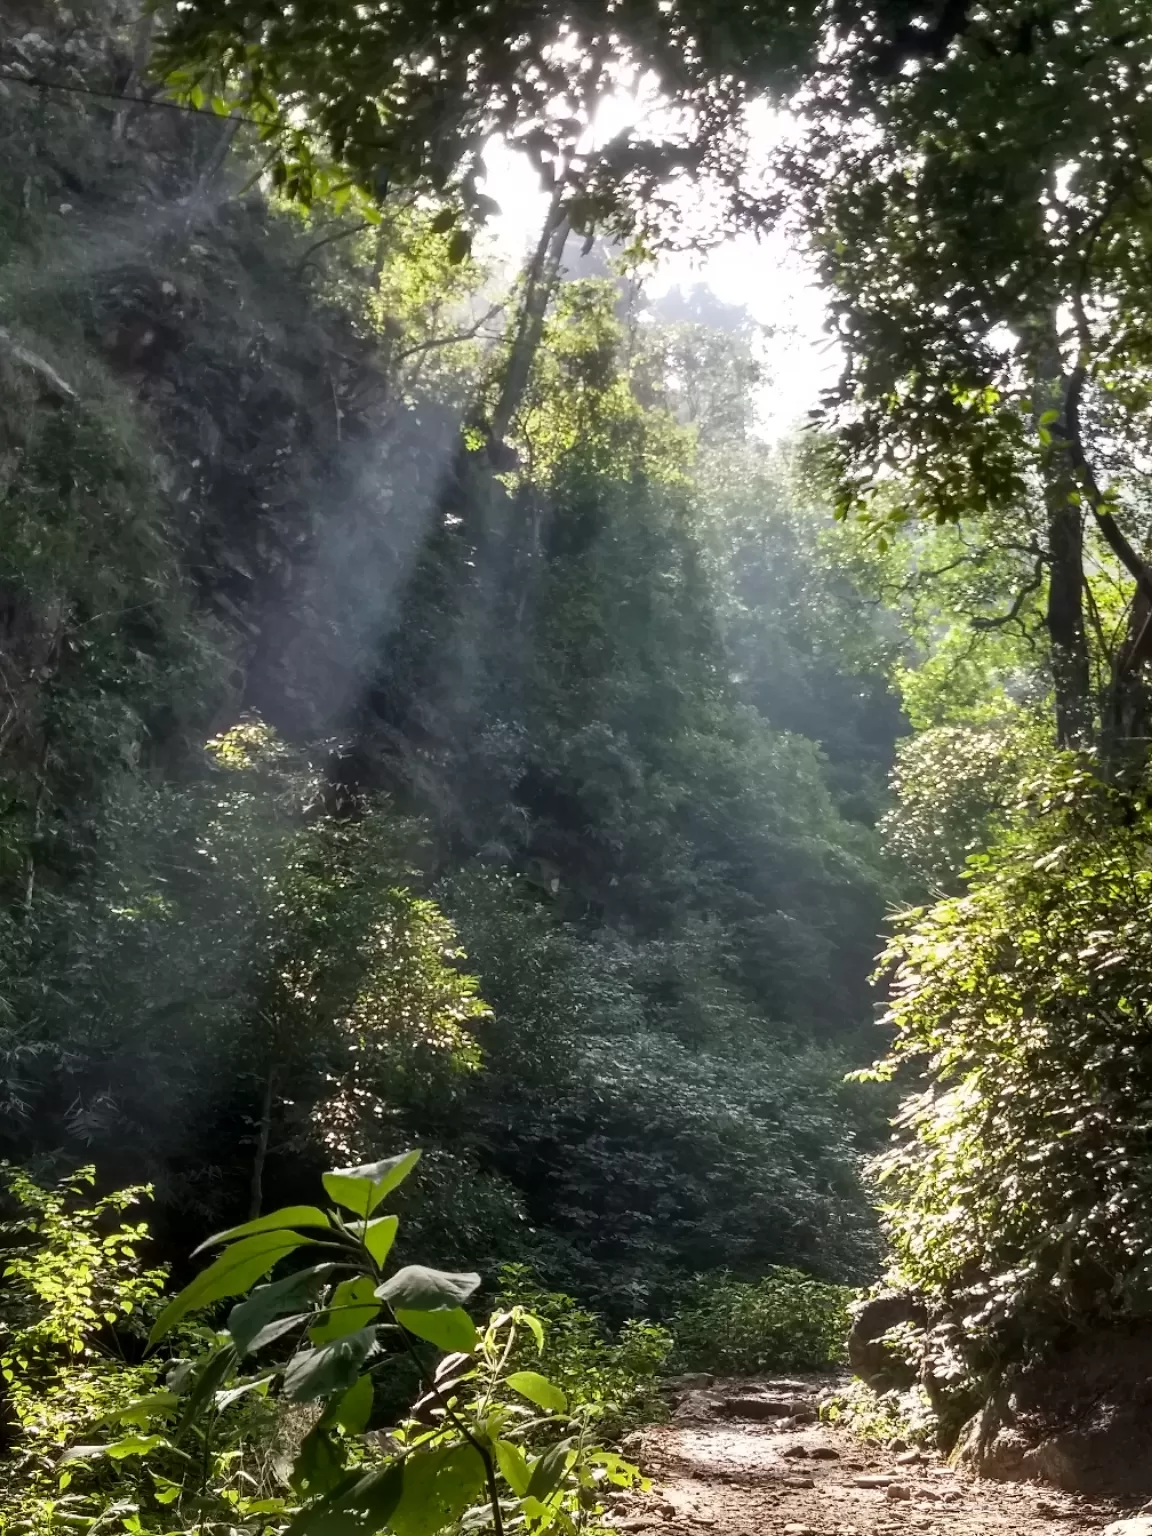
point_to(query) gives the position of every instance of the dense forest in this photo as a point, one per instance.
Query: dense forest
(433, 716)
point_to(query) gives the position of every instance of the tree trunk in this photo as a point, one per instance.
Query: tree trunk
(1067, 634)
(539, 283)
(263, 1135)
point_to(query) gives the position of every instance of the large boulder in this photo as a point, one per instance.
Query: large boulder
(872, 1360)
(1082, 1420)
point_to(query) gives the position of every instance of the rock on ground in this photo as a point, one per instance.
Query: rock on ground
(1082, 1421)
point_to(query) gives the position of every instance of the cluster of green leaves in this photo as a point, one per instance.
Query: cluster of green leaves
(293, 1375)
(74, 1299)
(891, 1418)
(1016, 1186)
(786, 1320)
(412, 103)
(614, 1380)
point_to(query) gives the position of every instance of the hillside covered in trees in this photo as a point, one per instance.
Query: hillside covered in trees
(432, 716)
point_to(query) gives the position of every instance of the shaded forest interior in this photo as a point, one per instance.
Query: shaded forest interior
(433, 716)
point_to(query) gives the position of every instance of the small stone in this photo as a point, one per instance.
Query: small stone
(909, 1459)
(823, 1453)
(896, 1491)
(872, 1480)
(65, 207)
(785, 1385)
(799, 1482)
(794, 1450)
(753, 1408)
(798, 1530)
(168, 289)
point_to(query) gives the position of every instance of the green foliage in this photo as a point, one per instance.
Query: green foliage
(200, 1451)
(659, 1152)
(784, 1321)
(954, 787)
(411, 105)
(1016, 1189)
(613, 1380)
(361, 726)
(74, 1299)
(903, 1418)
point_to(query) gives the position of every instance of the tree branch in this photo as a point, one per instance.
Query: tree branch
(1033, 584)
(449, 341)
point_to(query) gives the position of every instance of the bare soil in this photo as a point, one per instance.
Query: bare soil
(744, 1459)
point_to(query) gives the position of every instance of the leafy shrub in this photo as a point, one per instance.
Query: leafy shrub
(264, 1424)
(784, 1321)
(1018, 1185)
(73, 1298)
(887, 1417)
(613, 1380)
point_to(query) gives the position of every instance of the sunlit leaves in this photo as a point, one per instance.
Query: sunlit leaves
(352, 1306)
(418, 1288)
(361, 1190)
(539, 1390)
(1015, 1196)
(237, 1268)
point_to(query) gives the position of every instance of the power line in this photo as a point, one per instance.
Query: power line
(34, 82)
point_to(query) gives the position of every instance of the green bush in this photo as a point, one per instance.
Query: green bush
(1018, 1183)
(886, 1417)
(259, 1420)
(614, 1380)
(784, 1321)
(73, 1304)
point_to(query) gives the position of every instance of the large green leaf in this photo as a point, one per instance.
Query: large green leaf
(142, 1410)
(206, 1382)
(319, 1464)
(539, 1390)
(377, 1236)
(275, 1221)
(247, 1319)
(549, 1469)
(276, 1329)
(446, 1327)
(360, 1504)
(360, 1190)
(513, 1466)
(438, 1487)
(418, 1289)
(354, 1409)
(353, 1305)
(332, 1368)
(118, 1450)
(234, 1272)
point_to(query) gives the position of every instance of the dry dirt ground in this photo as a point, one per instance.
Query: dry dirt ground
(747, 1459)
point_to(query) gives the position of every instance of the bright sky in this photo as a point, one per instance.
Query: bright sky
(766, 276)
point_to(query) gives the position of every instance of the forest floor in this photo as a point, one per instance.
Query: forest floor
(731, 1463)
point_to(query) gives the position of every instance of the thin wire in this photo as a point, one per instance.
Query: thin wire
(35, 83)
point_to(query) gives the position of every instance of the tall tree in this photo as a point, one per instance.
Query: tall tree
(973, 183)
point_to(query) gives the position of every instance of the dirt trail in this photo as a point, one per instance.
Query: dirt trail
(747, 1459)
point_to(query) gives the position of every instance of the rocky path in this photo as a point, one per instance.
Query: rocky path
(751, 1459)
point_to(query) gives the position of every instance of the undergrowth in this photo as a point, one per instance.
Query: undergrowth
(784, 1321)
